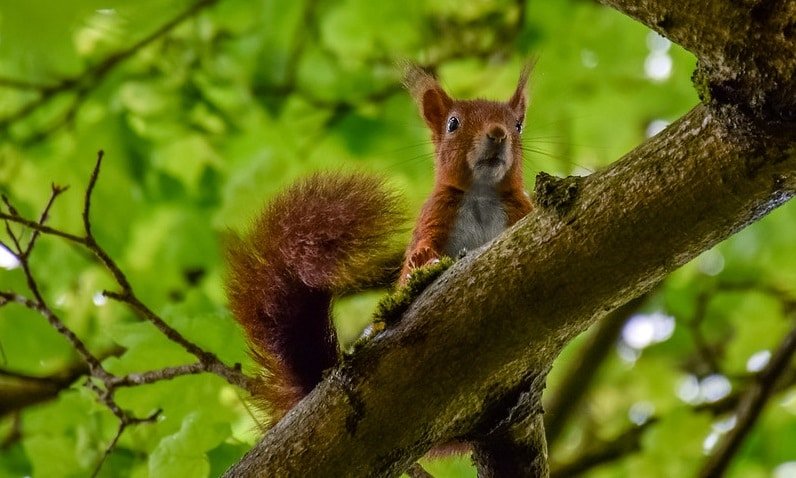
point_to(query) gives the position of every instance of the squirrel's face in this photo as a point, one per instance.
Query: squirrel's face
(482, 140)
(477, 141)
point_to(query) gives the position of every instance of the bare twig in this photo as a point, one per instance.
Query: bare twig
(135, 379)
(92, 181)
(100, 381)
(109, 449)
(35, 226)
(56, 191)
(123, 424)
(126, 295)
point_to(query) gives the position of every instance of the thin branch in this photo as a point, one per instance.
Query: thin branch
(750, 407)
(8, 82)
(16, 250)
(111, 446)
(87, 198)
(35, 226)
(56, 191)
(89, 79)
(77, 344)
(209, 361)
(625, 444)
(582, 370)
(168, 373)
(123, 424)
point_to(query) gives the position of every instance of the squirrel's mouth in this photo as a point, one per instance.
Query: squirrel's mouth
(491, 161)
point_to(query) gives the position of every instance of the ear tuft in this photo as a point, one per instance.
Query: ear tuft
(416, 79)
(519, 100)
(432, 100)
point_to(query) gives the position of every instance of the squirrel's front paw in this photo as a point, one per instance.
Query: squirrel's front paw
(422, 256)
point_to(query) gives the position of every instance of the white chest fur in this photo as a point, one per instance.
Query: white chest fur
(479, 220)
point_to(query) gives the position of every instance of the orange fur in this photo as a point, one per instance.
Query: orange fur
(453, 173)
(325, 234)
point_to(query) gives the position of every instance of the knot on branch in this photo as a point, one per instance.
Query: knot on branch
(345, 380)
(555, 193)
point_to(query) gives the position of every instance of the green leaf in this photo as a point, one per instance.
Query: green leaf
(183, 453)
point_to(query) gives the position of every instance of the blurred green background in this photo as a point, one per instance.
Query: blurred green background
(204, 118)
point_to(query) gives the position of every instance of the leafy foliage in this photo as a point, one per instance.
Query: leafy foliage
(204, 122)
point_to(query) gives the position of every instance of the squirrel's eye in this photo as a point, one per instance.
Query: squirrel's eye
(453, 124)
(518, 126)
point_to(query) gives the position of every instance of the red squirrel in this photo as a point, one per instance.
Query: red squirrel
(478, 188)
(330, 232)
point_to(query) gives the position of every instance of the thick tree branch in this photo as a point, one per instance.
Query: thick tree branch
(734, 42)
(627, 227)
(514, 444)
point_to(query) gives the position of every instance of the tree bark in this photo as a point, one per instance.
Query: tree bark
(499, 317)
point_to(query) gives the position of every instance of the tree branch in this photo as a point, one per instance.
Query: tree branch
(750, 407)
(733, 42)
(209, 361)
(630, 440)
(573, 387)
(21, 391)
(88, 80)
(626, 443)
(100, 381)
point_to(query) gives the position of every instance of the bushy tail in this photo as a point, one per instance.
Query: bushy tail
(324, 234)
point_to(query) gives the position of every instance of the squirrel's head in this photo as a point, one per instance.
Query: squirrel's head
(476, 141)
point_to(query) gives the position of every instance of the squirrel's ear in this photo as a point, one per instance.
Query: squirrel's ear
(432, 100)
(519, 99)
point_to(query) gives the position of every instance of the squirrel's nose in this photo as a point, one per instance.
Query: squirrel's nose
(496, 133)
